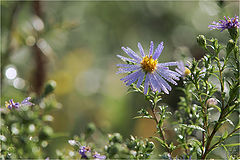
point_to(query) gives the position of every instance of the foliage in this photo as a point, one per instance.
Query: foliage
(26, 131)
(204, 120)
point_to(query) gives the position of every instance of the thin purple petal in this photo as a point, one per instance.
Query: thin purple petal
(130, 76)
(158, 51)
(151, 48)
(154, 83)
(134, 54)
(140, 79)
(161, 80)
(131, 53)
(134, 78)
(168, 64)
(129, 69)
(125, 65)
(141, 50)
(167, 77)
(127, 59)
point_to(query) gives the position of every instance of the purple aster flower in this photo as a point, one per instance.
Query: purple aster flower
(182, 70)
(227, 23)
(147, 67)
(97, 156)
(83, 151)
(11, 104)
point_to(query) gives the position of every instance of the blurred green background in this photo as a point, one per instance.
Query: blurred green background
(76, 43)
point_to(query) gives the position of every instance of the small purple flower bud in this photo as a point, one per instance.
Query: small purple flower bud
(182, 70)
(97, 156)
(211, 101)
(26, 102)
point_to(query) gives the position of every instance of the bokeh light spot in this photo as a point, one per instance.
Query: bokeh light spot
(30, 41)
(38, 24)
(19, 83)
(11, 73)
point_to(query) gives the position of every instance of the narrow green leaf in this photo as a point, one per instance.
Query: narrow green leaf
(193, 127)
(225, 135)
(225, 148)
(229, 121)
(232, 145)
(218, 108)
(160, 141)
(146, 117)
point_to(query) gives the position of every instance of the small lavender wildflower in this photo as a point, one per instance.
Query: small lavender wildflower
(227, 23)
(182, 70)
(26, 102)
(11, 104)
(97, 156)
(83, 151)
(147, 66)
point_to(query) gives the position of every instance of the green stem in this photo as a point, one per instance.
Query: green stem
(205, 118)
(215, 145)
(158, 126)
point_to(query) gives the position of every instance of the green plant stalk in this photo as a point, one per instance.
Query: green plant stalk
(215, 145)
(205, 118)
(222, 115)
(216, 127)
(186, 136)
(230, 134)
(159, 127)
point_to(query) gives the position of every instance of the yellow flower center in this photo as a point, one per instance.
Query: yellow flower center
(149, 64)
(187, 71)
(6, 104)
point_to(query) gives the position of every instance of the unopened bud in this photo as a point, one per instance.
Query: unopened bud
(230, 46)
(150, 146)
(187, 71)
(233, 33)
(116, 138)
(90, 129)
(50, 87)
(212, 101)
(201, 40)
(72, 142)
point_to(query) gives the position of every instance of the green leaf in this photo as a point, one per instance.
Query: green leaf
(229, 121)
(234, 89)
(225, 148)
(172, 147)
(232, 145)
(146, 117)
(196, 143)
(225, 135)
(218, 108)
(160, 141)
(193, 127)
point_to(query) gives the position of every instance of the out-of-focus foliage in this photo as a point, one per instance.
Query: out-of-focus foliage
(75, 43)
(26, 131)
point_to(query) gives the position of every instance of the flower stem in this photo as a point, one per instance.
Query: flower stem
(161, 133)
